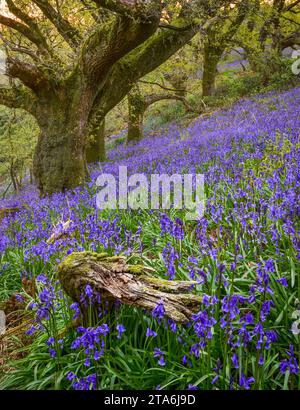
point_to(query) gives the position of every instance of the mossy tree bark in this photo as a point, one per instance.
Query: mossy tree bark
(212, 56)
(95, 147)
(272, 27)
(136, 111)
(179, 83)
(59, 159)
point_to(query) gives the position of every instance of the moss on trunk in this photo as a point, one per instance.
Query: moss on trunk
(59, 159)
(212, 57)
(59, 162)
(95, 150)
(136, 111)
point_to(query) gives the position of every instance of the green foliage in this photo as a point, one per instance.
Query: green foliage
(163, 113)
(240, 86)
(18, 136)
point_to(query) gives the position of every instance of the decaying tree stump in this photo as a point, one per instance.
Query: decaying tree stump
(132, 285)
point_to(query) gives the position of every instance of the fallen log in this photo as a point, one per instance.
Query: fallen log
(132, 285)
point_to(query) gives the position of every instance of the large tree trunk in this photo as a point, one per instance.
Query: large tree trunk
(95, 150)
(136, 111)
(211, 59)
(59, 159)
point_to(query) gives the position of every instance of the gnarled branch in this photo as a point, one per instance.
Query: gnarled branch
(66, 30)
(26, 31)
(289, 7)
(18, 98)
(29, 74)
(28, 21)
(140, 62)
(109, 43)
(152, 99)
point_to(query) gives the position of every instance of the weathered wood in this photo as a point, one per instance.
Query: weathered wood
(114, 279)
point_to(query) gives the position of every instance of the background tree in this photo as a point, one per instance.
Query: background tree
(217, 38)
(138, 103)
(95, 147)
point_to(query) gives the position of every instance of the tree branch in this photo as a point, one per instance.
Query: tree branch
(170, 27)
(153, 98)
(113, 279)
(289, 7)
(26, 31)
(69, 33)
(242, 13)
(18, 49)
(109, 43)
(143, 11)
(18, 98)
(162, 86)
(290, 20)
(29, 74)
(26, 19)
(140, 62)
(292, 40)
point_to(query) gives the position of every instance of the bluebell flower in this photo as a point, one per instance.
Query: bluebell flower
(50, 341)
(192, 387)
(235, 360)
(89, 291)
(150, 333)
(290, 364)
(159, 311)
(282, 282)
(71, 376)
(245, 381)
(159, 354)
(52, 352)
(121, 329)
(215, 379)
